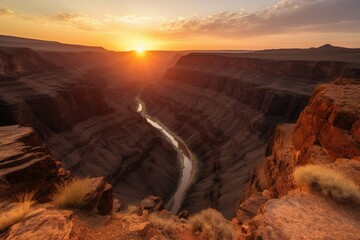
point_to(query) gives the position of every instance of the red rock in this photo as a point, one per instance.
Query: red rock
(152, 203)
(25, 164)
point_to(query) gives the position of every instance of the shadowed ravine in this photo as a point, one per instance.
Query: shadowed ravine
(185, 157)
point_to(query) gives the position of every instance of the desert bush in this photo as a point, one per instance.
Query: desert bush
(212, 224)
(17, 213)
(166, 223)
(131, 209)
(72, 194)
(327, 181)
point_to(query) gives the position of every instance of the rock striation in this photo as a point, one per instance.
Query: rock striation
(86, 115)
(226, 107)
(26, 165)
(325, 134)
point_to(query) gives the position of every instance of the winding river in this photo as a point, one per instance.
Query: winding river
(185, 157)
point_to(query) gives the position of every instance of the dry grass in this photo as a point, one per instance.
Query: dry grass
(131, 209)
(212, 224)
(166, 223)
(328, 182)
(72, 194)
(18, 212)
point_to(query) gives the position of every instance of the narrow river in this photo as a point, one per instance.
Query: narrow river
(185, 158)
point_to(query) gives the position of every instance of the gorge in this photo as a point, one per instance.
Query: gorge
(202, 133)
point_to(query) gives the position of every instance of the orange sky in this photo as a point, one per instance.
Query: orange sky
(185, 25)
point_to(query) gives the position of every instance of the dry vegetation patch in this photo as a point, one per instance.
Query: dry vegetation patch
(17, 213)
(328, 182)
(212, 224)
(166, 223)
(72, 194)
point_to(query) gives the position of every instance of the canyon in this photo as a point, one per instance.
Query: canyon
(245, 119)
(225, 108)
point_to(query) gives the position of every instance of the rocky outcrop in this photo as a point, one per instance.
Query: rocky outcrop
(303, 215)
(325, 134)
(26, 165)
(331, 120)
(326, 130)
(100, 196)
(86, 115)
(226, 107)
(43, 224)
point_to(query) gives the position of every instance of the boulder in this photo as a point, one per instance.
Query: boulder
(152, 203)
(100, 197)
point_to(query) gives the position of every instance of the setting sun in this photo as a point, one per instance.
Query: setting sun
(140, 50)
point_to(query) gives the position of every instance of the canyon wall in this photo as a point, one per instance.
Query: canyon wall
(327, 133)
(87, 123)
(225, 107)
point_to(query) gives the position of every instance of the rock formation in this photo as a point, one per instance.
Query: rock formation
(325, 134)
(225, 107)
(239, 114)
(26, 165)
(87, 122)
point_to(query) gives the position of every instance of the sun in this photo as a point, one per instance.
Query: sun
(140, 50)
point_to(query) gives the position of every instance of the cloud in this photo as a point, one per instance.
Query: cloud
(65, 16)
(6, 12)
(108, 22)
(285, 16)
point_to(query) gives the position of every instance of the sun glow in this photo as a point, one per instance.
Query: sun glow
(140, 50)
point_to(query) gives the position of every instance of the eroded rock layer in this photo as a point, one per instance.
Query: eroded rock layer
(326, 134)
(25, 164)
(89, 124)
(225, 108)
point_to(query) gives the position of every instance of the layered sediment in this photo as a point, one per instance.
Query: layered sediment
(326, 134)
(90, 125)
(225, 107)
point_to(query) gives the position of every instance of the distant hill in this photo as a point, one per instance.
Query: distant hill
(326, 52)
(42, 45)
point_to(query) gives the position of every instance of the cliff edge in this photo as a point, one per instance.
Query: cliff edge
(326, 135)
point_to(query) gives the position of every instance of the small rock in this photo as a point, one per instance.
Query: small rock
(106, 200)
(139, 229)
(152, 203)
(184, 214)
(139, 211)
(116, 205)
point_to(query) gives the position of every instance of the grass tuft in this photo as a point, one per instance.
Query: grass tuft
(328, 182)
(166, 223)
(18, 212)
(212, 224)
(72, 194)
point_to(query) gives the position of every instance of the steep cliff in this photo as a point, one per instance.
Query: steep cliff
(326, 134)
(86, 122)
(225, 107)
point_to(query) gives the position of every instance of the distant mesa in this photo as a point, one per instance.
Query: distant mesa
(42, 45)
(326, 46)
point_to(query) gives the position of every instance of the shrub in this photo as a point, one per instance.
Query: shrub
(328, 182)
(17, 213)
(212, 224)
(72, 194)
(165, 223)
(131, 209)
